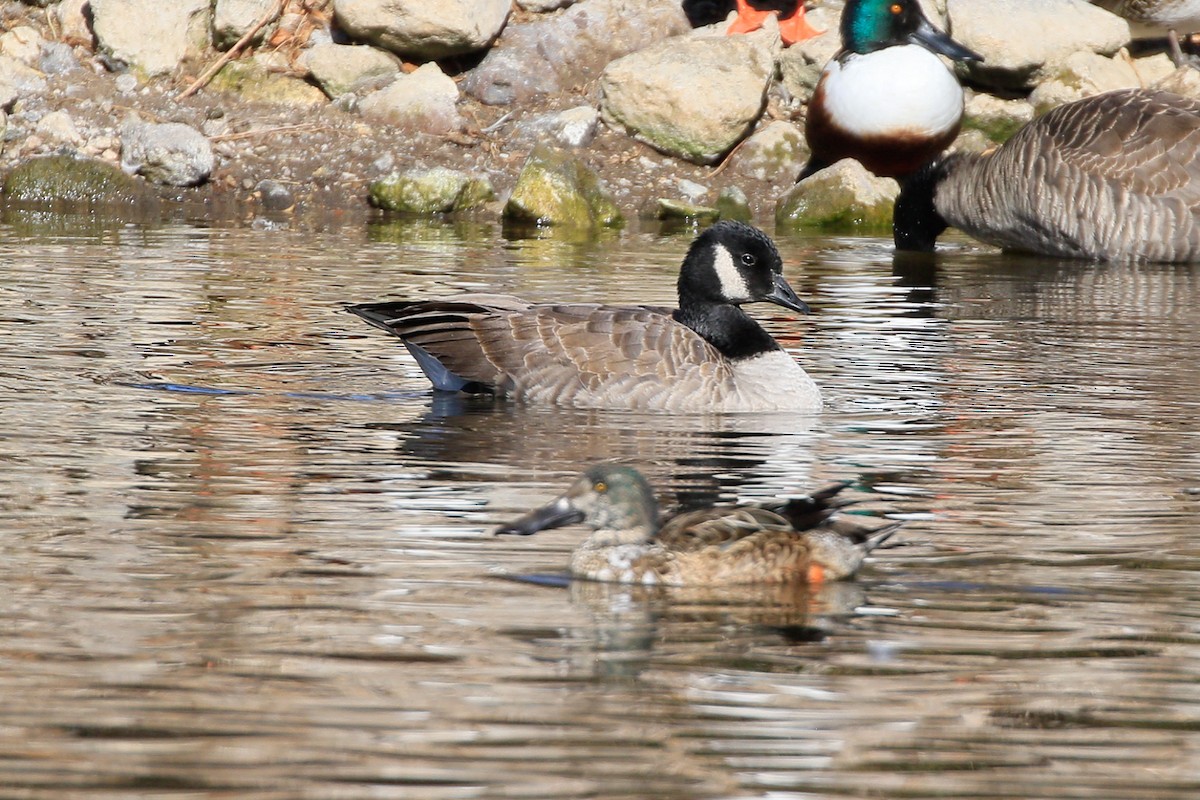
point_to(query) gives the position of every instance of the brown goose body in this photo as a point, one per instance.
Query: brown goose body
(1114, 177)
(794, 540)
(708, 356)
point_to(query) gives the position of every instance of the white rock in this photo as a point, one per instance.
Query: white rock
(73, 24)
(17, 80)
(152, 36)
(424, 100)
(561, 51)
(170, 153)
(574, 127)
(1184, 81)
(233, 18)
(59, 126)
(652, 94)
(424, 28)
(1024, 41)
(339, 69)
(1084, 74)
(22, 43)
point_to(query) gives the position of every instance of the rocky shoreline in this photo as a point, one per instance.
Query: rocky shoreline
(579, 113)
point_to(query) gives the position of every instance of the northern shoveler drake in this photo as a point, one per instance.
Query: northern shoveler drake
(794, 540)
(1114, 177)
(1170, 15)
(708, 355)
(886, 99)
(751, 14)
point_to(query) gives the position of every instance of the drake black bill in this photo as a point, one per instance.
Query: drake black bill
(783, 295)
(939, 41)
(553, 515)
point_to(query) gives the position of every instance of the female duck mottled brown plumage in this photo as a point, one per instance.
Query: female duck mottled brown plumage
(1114, 177)
(794, 540)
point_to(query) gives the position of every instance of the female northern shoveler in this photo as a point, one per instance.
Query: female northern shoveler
(1114, 177)
(886, 99)
(793, 540)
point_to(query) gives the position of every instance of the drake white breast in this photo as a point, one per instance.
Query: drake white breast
(897, 90)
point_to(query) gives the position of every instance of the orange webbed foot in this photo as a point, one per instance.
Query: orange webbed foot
(748, 19)
(796, 28)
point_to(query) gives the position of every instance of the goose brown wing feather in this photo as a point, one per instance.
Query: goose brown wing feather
(1115, 176)
(570, 352)
(1148, 141)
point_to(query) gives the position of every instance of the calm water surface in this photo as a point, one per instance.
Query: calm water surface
(248, 555)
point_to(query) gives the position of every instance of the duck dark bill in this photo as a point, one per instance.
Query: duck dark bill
(552, 515)
(939, 41)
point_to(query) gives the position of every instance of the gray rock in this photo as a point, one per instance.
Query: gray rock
(232, 19)
(17, 80)
(430, 191)
(561, 51)
(774, 153)
(652, 95)
(574, 127)
(424, 28)
(800, 65)
(126, 83)
(540, 6)
(152, 36)
(424, 100)
(339, 69)
(58, 58)
(274, 195)
(732, 203)
(843, 196)
(555, 189)
(170, 153)
(1024, 41)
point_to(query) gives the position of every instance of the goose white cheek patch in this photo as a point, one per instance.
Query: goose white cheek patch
(733, 283)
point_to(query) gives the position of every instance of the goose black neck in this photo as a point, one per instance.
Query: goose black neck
(916, 222)
(726, 327)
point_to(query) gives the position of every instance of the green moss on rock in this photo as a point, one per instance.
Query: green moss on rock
(667, 208)
(844, 197)
(732, 203)
(71, 180)
(556, 189)
(252, 81)
(430, 191)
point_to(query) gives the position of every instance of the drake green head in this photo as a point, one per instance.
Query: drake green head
(870, 25)
(886, 99)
